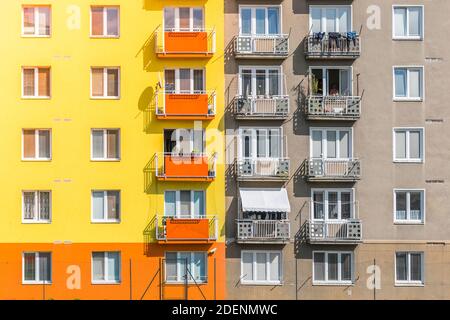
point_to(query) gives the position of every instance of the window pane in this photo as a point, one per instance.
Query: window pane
(184, 260)
(260, 82)
(171, 266)
(28, 82)
(169, 18)
(332, 267)
(184, 14)
(317, 144)
(29, 207)
(45, 266)
(98, 205)
(261, 266)
(400, 22)
(333, 205)
(113, 82)
(331, 144)
(44, 82)
(344, 143)
(97, 21)
(415, 21)
(247, 266)
(344, 23)
(274, 143)
(316, 19)
(113, 21)
(44, 144)
(318, 198)
(400, 145)
(113, 266)
(331, 20)
(198, 81)
(185, 203)
(260, 21)
(113, 144)
(28, 21)
(414, 145)
(44, 205)
(400, 83)
(346, 267)
(44, 21)
(415, 205)
(29, 144)
(169, 80)
(198, 19)
(273, 20)
(246, 21)
(199, 203)
(401, 267)
(97, 144)
(29, 266)
(97, 82)
(98, 266)
(319, 266)
(185, 80)
(274, 266)
(113, 201)
(415, 83)
(170, 203)
(416, 267)
(198, 266)
(346, 205)
(198, 141)
(400, 203)
(274, 83)
(261, 140)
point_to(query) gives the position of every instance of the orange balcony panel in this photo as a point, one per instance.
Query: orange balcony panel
(186, 106)
(186, 167)
(187, 229)
(185, 44)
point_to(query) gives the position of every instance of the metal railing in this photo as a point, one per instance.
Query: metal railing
(192, 109)
(194, 165)
(333, 168)
(205, 40)
(161, 229)
(345, 230)
(262, 45)
(334, 106)
(263, 230)
(268, 107)
(343, 45)
(263, 168)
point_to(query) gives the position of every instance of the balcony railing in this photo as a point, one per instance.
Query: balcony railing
(263, 169)
(262, 46)
(203, 228)
(185, 105)
(346, 231)
(187, 167)
(256, 107)
(332, 169)
(263, 231)
(333, 107)
(332, 45)
(185, 43)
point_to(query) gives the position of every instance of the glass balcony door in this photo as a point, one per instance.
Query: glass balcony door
(331, 81)
(184, 141)
(183, 19)
(260, 82)
(331, 143)
(259, 20)
(184, 204)
(332, 205)
(184, 81)
(330, 19)
(261, 143)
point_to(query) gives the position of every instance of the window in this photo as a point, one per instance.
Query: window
(330, 18)
(331, 143)
(36, 144)
(331, 81)
(408, 22)
(36, 21)
(261, 267)
(261, 143)
(184, 81)
(36, 206)
(408, 83)
(105, 144)
(36, 267)
(105, 267)
(333, 204)
(409, 268)
(183, 19)
(106, 206)
(184, 141)
(184, 203)
(260, 20)
(36, 82)
(408, 145)
(179, 265)
(332, 267)
(105, 82)
(260, 82)
(409, 206)
(105, 22)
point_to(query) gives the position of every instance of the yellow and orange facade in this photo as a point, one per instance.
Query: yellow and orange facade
(114, 181)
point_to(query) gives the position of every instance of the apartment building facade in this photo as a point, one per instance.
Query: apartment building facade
(336, 147)
(114, 177)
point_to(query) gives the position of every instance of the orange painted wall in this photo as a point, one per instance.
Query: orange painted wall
(145, 261)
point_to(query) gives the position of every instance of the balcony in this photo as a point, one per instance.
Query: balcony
(261, 108)
(346, 108)
(262, 46)
(185, 167)
(332, 45)
(185, 106)
(273, 169)
(185, 43)
(263, 231)
(186, 229)
(334, 232)
(332, 170)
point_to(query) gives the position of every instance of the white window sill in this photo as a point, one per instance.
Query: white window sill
(408, 38)
(105, 221)
(105, 98)
(409, 284)
(106, 282)
(37, 159)
(36, 222)
(190, 282)
(406, 222)
(35, 36)
(261, 283)
(105, 37)
(36, 98)
(408, 161)
(340, 284)
(105, 160)
(408, 99)
(35, 282)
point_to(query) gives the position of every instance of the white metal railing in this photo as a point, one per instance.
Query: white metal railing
(160, 41)
(249, 229)
(263, 167)
(345, 230)
(161, 229)
(334, 106)
(268, 44)
(333, 168)
(186, 161)
(185, 95)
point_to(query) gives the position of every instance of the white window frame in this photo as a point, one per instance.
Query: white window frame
(326, 84)
(422, 144)
(422, 22)
(338, 282)
(36, 83)
(254, 154)
(253, 19)
(408, 219)
(105, 145)
(324, 140)
(105, 257)
(36, 21)
(191, 79)
(254, 266)
(105, 22)
(181, 276)
(105, 206)
(253, 69)
(422, 83)
(177, 19)
(339, 191)
(409, 282)
(177, 203)
(323, 17)
(36, 145)
(36, 218)
(105, 84)
(37, 265)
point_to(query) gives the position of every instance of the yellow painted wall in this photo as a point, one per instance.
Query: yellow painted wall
(70, 113)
